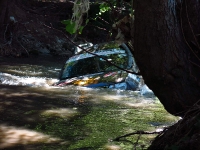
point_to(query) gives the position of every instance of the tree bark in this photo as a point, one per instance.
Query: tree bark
(166, 49)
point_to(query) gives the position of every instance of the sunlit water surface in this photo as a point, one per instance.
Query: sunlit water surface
(42, 116)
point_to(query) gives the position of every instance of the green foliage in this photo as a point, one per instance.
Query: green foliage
(70, 26)
(103, 8)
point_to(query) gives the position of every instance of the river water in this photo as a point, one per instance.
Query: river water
(36, 115)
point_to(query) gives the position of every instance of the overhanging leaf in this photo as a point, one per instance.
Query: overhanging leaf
(70, 27)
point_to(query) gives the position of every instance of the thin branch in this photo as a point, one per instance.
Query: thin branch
(134, 133)
(194, 63)
(104, 29)
(23, 47)
(128, 71)
(103, 20)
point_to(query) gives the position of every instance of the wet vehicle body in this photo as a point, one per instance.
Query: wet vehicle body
(106, 65)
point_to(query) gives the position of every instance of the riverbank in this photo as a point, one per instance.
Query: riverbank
(37, 30)
(34, 60)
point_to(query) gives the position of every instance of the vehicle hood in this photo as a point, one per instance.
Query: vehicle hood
(97, 80)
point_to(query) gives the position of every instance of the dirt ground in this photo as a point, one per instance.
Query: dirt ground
(37, 30)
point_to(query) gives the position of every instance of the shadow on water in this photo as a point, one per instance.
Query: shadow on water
(48, 118)
(26, 114)
(70, 118)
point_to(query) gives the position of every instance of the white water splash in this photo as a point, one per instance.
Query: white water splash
(9, 79)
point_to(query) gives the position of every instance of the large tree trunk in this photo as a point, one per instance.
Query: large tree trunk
(166, 49)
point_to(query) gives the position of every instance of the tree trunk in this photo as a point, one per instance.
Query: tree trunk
(166, 49)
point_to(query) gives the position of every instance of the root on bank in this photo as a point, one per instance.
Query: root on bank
(183, 135)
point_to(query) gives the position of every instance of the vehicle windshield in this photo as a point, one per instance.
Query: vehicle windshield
(94, 65)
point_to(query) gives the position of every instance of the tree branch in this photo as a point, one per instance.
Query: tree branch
(137, 132)
(128, 71)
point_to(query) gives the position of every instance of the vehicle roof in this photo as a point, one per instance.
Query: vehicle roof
(99, 52)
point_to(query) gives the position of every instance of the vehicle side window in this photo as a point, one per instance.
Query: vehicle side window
(120, 60)
(85, 66)
(94, 65)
